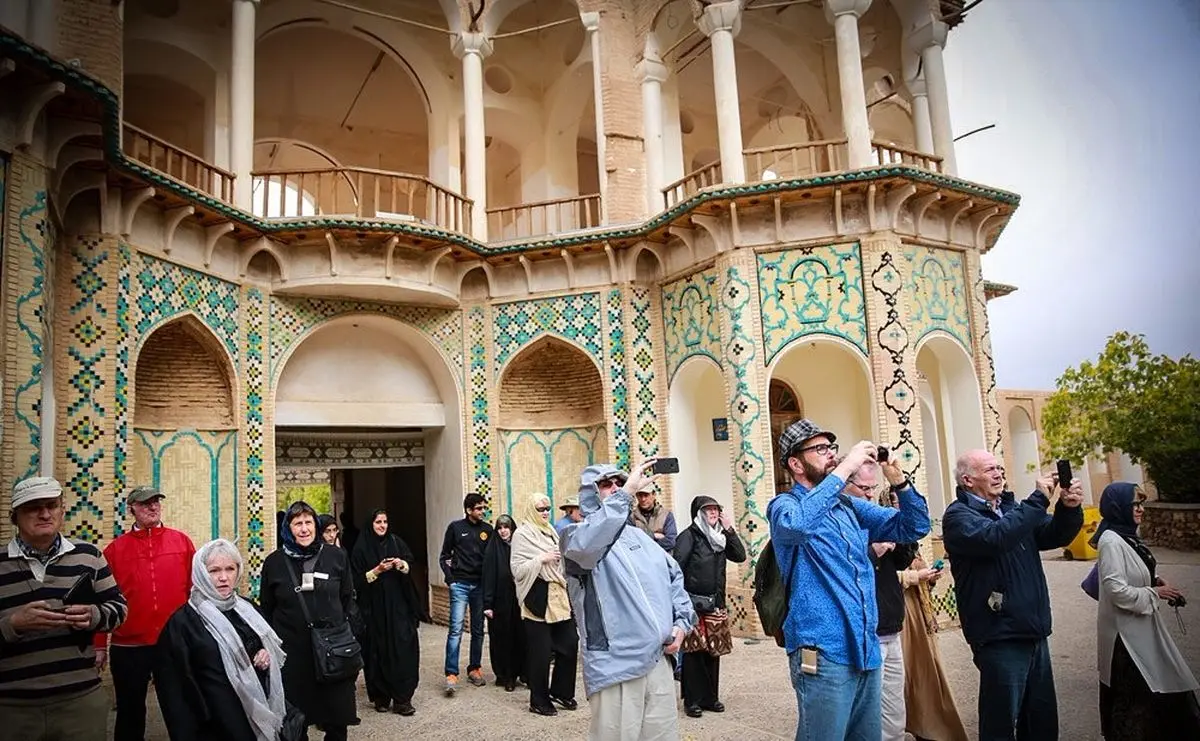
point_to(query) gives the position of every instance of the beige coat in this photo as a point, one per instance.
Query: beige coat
(1130, 608)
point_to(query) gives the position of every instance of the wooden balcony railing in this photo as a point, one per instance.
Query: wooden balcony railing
(360, 192)
(544, 217)
(890, 154)
(176, 163)
(691, 184)
(787, 161)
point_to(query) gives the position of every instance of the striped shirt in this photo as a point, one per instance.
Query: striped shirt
(48, 664)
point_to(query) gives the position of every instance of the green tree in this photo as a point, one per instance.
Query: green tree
(318, 495)
(1145, 405)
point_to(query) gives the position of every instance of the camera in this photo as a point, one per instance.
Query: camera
(881, 453)
(1177, 602)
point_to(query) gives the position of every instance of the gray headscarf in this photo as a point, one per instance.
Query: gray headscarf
(264, 712)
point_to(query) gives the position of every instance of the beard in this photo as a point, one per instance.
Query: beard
(815, 474)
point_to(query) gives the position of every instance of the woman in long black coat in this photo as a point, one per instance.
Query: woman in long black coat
(506, 646)
(302, 552)
(391, 609)
(702, 551)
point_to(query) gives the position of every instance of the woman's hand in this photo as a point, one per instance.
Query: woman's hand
(725, 520)
(385, 565)
(1168, 592)
(882, 548)
(488, 614)
(400, 565)
(262, 659)
(929, 575)
(549, 557)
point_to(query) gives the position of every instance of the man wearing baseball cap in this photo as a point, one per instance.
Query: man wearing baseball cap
(821, 535)
(153, 567)
(55, 592)
(571, 513)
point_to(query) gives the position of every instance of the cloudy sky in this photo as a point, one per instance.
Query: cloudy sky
(1097, 112)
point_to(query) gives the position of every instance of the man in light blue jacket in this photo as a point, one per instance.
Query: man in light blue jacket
(631, 609)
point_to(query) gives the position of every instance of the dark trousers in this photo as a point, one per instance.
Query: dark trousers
(132, 667)
(1016, 692)
(506, 645)
(543, 639)
(701, 679)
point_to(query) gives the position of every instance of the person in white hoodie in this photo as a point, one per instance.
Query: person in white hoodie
(1146, 688)
(630, 607)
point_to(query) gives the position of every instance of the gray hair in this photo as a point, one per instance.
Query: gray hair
(220, 547)
(964, 466)
(866, 465)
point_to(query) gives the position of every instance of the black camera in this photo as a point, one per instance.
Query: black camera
(881, 453)
(1177, 602)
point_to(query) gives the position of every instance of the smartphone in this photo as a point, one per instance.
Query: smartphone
(881, 453)
(939, 564)
(1064, 474)
(82, 592)
(808, 660)
(666, 465)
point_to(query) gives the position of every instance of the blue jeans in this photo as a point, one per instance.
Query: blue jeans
(838, 702)
(462, 594)
(1016, 691)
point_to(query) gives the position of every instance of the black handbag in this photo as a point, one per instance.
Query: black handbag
(295, 725)
(337, 655)
(538, 598)
(703, 604)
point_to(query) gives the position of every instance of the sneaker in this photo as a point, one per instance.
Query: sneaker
(451, 684)
(403, 708)
(475, 677)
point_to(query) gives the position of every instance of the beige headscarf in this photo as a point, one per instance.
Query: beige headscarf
(530, 540)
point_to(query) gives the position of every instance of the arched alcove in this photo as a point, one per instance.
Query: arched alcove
(947, 380)
(1026, 463)
(475, 285)
(551, 420)
(647, 268)
(696, 403)
(263, 267)
(182, 379)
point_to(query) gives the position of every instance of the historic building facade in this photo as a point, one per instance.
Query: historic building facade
(419, 249)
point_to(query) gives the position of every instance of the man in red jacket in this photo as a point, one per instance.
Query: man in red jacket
(153, 567)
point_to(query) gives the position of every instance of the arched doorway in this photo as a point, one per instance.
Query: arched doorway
(551, 422)
(948, 386)
(371, 401)
(1026, 463)
(695, 405)
(184, 437)
(786, 407)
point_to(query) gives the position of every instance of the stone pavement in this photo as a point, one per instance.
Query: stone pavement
(755, 687)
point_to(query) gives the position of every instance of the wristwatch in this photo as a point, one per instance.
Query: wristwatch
(902, 485)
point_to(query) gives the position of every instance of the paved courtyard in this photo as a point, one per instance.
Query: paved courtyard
(755, 687)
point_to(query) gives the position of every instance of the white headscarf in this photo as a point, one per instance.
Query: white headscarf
(264, 713)
(714, 533)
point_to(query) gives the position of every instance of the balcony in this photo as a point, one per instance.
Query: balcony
(539, 218)
(176, 163)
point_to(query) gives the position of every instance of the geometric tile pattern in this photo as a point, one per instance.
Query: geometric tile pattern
(690, 323)
(480, 429)
(937, 293)
(641, 355)
(985, 367)
(163, 290)
(573, 318)
(811, 290)
(253, 375)
(620, 389)
(292, 317)
(36, 233)
(123, 342)
(369, 451)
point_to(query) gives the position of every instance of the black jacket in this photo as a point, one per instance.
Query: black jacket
(463, 547)
(704, 567)
(989, 553)
(889, 592)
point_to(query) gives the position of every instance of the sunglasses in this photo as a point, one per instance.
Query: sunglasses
(606, 483)
(542, 509)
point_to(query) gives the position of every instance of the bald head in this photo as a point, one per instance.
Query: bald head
(978, 472)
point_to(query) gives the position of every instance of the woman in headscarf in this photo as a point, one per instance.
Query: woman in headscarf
(328, 528)
(702, 551)
(545, 608)
(390, 607)
(930, 712)
(217, 661)
(1146, 688)
(507, 634)
(304, 568)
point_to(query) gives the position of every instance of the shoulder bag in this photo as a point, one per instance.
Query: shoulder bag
(336, 654)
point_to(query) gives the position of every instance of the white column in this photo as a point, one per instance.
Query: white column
(651, 72)
(241, 102)
(720, 22)
(844, 15)
(920, 111)
(472, 48)
(216, 122)
(591, 22)
(929, 40)
(42, 26)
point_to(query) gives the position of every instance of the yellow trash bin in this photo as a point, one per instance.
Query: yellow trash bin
(1080, 549)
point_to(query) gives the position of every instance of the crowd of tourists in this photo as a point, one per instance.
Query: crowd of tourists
(612, 584)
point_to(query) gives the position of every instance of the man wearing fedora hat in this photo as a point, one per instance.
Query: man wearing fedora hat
(153, 567)
(571, 513)
(54, 593)
(821, 536)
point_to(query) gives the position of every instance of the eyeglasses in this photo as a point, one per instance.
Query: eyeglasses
(820, 448)
(542, 509)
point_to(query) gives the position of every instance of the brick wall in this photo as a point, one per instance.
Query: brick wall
(551, 385)
(91, 31)
(180, 382)
(620, 48)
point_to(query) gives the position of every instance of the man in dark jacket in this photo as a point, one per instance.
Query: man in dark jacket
(462, 563)
(993, 544)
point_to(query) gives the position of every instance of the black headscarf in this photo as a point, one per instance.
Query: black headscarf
(287, 541)
(1116, 513)
(323, 523)
(373, 548)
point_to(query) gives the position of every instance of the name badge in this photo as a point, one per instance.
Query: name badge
(306, 582)
(319, 575)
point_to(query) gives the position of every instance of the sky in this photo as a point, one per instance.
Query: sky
(1097, 112)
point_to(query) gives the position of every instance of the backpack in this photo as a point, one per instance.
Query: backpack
(771, 592)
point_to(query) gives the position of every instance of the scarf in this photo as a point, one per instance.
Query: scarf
(1116, 513)
(714, 533)
(530, 540)
(371, 548)
(288, 544)
(265, 712)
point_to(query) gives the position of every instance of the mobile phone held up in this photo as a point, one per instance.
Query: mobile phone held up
(1064, 474)
(881, 453)
(666, 465)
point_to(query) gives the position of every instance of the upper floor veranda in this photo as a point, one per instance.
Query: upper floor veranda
(503, 132)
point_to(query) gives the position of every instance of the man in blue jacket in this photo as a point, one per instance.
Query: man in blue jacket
(821, 535)
(993, 544)
(630, 607)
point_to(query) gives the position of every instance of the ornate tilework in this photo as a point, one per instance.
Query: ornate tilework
(480, 427)
(937, 293)
(985, 367)
(641, 348)
(548, 461)
(254, 381)
(574, 318)
(811, 290)
(220, 446)
(124, 342)
(619, 387)
(690, 324)
(292, 317)
(899, 397)
(35, 232)
(163, 290)
(341, 452)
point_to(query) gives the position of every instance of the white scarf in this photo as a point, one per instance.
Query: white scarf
(264, 713)
(714, 533)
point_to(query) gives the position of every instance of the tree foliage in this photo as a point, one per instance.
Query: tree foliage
(1130, 400)
(319, 496)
